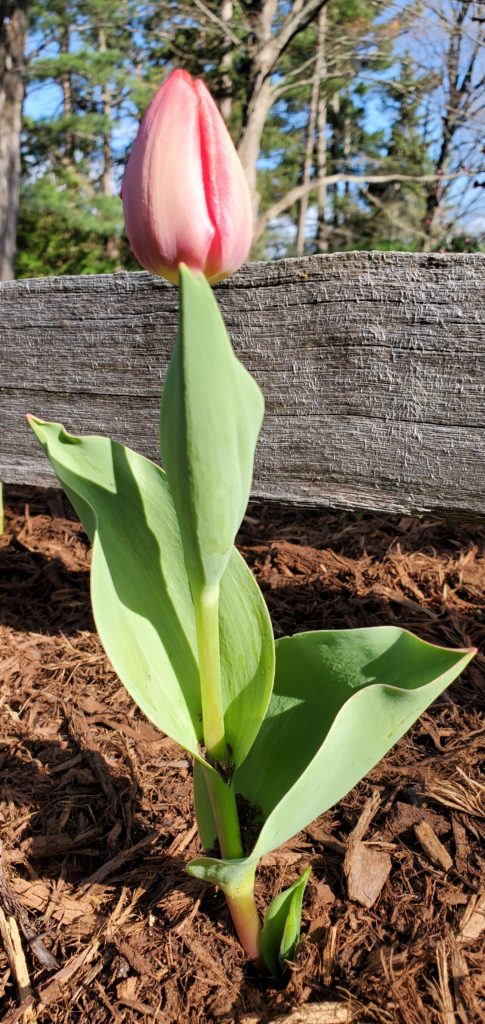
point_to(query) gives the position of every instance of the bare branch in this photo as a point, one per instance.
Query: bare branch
(355, 179)
(224, 27)
(301, 14)
(391, 217)
(280, 90)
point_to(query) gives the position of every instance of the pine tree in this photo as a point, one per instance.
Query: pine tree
(346, 41)
(396, 209)
(71, 217)
(303, 119)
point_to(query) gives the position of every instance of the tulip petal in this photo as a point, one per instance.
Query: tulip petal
(226, 190)
(166, 214)
(185, 195)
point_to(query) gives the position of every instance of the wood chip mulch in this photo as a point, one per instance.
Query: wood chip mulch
(98, 921)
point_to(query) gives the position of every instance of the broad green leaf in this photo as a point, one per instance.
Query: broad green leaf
(341, 699)
(139, 589)
(282, 923)
(141, 596)
(203, 809)
(211, 414)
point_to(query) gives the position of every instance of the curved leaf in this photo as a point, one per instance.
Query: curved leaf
(141, 597)
(341, 699)
(229, 875)
(282, 923)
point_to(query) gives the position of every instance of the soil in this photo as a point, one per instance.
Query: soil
(96, 809)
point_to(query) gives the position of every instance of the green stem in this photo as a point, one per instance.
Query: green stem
(206, 605)
(242, 908)
(239, 893)
(224, 809)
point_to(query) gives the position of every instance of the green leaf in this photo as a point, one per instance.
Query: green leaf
(341, 699)
(206, 824)
(247, 651)
(282, 922)
(141, 596)
(236, 879)
(211, 414)
(229, 875)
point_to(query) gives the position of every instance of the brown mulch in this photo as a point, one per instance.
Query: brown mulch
(96, 811)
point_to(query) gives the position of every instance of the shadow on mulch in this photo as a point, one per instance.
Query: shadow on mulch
(44, 565)
(50, 598)
(96, 805)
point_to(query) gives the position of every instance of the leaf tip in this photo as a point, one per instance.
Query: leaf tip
(36, 425)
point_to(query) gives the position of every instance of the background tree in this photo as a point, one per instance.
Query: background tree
(70, 216)
(364, 69)
(349, 133)
(449, 37)
(13, 34)
(349, 45)
(397, 209)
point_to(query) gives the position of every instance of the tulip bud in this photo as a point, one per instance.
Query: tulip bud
(185, 196)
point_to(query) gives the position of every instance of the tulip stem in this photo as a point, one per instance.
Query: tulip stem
(239, 887)
(245, 917)
(226, 818)
(206, 605)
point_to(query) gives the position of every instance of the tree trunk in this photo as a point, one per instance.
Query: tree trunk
(322, 240)
(454, 103)
(250, 142)
(308, 162)
(106, 94)
(112, 247)
(67, 95)
(264, 50)
(260, 93)
(13, 35)
(347, 152)
(312, 124)
(334, 151)
(227, 10)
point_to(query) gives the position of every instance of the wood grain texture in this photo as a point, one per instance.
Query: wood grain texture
(372, 366)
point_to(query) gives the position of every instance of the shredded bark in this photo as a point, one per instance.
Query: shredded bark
(96, 808)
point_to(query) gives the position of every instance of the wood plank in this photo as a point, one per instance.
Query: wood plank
(372, 366)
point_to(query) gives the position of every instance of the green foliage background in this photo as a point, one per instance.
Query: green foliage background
(102, 61)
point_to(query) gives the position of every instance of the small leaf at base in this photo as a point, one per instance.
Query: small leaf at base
(282, 922)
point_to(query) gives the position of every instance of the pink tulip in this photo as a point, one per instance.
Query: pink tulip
(185, 196)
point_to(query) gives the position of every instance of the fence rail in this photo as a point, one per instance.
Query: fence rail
(372, 366)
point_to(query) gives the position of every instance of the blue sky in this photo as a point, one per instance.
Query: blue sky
(44, 100)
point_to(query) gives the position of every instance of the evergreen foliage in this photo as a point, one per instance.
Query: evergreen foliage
(93, 65)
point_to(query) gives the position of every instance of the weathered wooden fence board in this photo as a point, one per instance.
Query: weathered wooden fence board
(372, 365)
